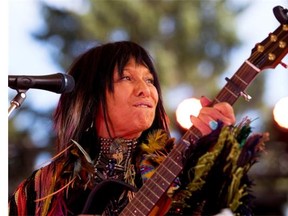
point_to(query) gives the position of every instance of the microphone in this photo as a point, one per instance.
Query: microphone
(58, 83)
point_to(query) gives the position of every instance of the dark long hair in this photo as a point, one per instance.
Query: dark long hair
(93, 74)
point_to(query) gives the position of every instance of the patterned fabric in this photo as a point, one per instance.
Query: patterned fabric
(29, 196)
(45, 191)
(62, 187)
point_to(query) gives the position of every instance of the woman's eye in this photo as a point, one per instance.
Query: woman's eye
(125, 78)
(151, 81)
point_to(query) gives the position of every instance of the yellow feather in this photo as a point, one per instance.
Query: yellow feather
(156, 141)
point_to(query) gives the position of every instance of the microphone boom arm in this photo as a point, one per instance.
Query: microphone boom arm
(17, 101)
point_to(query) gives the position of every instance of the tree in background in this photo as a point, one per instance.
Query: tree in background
(184, 37)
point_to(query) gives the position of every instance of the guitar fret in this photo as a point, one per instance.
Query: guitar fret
(128, 210)
(239, 78)
(232, 93)
(152, 191)
(226, 96)
(145, 201)
(178, 160)
(253, 66)
(185, 143)
(181, 146)
(193, 134)
(165, 170)
(135, 211)
(173, 165)
(175, 161)
(156, 186)
(139, 206)
(247, 77)
(153, 186)
(217, 100)
(156, 176)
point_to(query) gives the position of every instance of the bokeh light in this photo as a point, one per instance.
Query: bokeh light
(280, 113)
(186, 108)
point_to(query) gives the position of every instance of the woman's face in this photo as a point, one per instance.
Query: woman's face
(131, 107)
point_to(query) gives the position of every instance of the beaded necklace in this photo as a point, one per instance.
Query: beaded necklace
(114, 159)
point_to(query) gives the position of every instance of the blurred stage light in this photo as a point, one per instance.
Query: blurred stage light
(186, 108)
(280, 113)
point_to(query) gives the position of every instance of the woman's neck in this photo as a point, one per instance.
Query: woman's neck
(102, 131)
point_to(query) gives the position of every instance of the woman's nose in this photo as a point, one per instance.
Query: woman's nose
(142, 89)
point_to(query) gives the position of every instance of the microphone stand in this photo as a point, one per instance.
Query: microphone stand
(17, 100)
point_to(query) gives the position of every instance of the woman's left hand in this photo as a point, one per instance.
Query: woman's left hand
(206, 121)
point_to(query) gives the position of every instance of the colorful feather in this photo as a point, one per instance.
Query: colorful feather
(218, 179)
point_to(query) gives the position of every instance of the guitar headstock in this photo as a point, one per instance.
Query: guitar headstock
(270, 52)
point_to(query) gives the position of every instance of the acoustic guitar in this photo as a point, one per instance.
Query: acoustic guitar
(265, 55)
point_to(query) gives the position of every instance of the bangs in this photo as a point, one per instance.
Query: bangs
(125, 52)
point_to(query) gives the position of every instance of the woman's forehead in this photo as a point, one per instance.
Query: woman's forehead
(131, 64)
